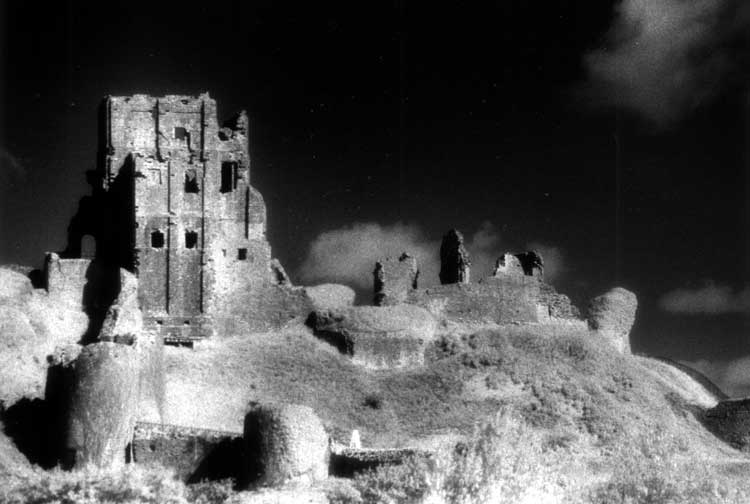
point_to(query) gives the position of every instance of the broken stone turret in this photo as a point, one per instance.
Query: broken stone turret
(393, 279)
(454, 259)
(285, 443)
(612, 315)
(524, 264)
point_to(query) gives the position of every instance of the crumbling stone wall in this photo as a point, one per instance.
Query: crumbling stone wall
(194, 454)
(454, 259)
(377, 337)
(526, 263)
(104, 404)
(493, 300)
(285, 443)
(66, 279)
(515, 293)
(393, 279)
(172, 202)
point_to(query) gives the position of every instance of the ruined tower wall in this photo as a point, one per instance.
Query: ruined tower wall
(199, 227)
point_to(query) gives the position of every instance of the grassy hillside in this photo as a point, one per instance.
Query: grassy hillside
(569, 382)
(538, 416)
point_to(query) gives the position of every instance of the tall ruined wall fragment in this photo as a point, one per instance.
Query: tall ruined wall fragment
(454, 259)
(393, 279)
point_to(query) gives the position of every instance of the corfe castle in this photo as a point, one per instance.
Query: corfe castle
(170, 248)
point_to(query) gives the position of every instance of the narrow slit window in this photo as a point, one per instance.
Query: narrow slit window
(242, 254)
(191, 181)
(191, 239)
(157, 239)
(229, 171)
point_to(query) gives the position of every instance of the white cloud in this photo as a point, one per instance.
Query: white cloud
(708, 300)
(347, 255)
(731, 376)
(663, 58)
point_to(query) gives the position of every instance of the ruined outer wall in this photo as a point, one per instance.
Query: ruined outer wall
(66, 279)
(493, 300)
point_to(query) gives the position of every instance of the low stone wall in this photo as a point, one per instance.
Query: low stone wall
(194, 454)
(346, 462)
(493, 300)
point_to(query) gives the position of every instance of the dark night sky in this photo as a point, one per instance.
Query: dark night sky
(437, 116)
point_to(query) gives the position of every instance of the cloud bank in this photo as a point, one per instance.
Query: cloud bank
(732, 377)
(664, 58)
(709, 300)
(347, 255)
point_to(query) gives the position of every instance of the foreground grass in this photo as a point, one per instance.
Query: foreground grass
(507, 460)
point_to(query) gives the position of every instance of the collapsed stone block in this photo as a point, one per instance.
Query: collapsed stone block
(612, 315)
(285, 443)
(524, 264)
(330, 296)
(103, 404)
(454, 259)
(378, 337)
(393, 279)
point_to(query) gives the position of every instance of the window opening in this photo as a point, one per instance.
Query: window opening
(229, 171)
(242, 254)
(191, 239)
(157, 239)
(191, 181)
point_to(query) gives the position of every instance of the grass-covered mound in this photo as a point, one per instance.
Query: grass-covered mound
(568, 385)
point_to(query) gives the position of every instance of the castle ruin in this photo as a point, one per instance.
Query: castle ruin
(173, 204)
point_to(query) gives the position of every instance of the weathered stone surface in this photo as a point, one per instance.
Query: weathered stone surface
(279, 273)
(527, 263)
(612, 315)
(285, 443)
(200, 252)
(454, 259)
(393, 279)
(123, 321)
(14, 285)
(378, 337)
(330, 296)
(493, 300)
(556, 305)
(194, 454)
(103, 405)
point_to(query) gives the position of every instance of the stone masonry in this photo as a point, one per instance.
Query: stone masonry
(172, 203)
(393, 279)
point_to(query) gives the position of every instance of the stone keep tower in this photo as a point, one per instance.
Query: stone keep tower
(199, 227)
